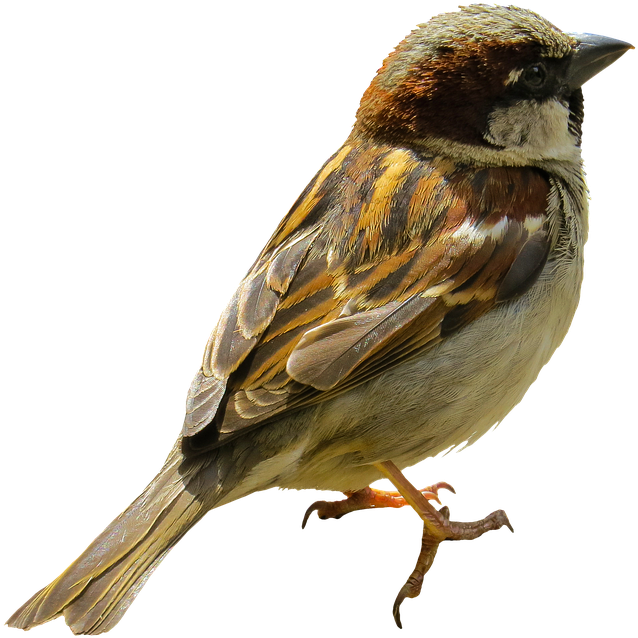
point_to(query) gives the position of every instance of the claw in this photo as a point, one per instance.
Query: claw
(411, 589)
(432, 492)
(501, 516)
(397, 604)
(326, 508)
(445, 512)
(308, 512)
(442, 485)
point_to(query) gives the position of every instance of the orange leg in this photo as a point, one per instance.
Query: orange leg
(437, 526)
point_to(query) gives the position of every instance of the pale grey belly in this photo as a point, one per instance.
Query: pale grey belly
(452, 393)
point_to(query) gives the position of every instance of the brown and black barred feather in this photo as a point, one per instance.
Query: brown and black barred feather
(384, 254)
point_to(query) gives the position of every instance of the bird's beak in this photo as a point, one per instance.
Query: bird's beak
(593, 54)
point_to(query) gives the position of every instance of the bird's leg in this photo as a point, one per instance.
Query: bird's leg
(437, 527)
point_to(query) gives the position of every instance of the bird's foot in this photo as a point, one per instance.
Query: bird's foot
(369, 498)
(453, 531)
(437, 524)
(438, 527)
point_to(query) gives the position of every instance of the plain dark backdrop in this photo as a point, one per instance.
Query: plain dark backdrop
(159, 152)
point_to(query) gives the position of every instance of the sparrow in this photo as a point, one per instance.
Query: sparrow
(402, 307)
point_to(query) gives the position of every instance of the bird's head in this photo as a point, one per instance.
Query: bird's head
(488, 84)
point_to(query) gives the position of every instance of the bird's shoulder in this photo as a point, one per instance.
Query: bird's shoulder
(385, 252)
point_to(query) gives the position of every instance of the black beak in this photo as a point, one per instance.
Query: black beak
(593, 54)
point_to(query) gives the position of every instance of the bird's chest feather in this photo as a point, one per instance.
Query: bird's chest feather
(457, 390)
(453, 393)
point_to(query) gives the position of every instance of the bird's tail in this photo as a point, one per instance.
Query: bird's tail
(96, 590)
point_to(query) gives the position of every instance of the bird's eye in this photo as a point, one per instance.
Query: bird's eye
(535, 75)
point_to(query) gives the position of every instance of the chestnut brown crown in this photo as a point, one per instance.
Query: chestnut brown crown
(498, 78)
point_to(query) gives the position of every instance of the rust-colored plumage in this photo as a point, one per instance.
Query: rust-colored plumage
(386, 252)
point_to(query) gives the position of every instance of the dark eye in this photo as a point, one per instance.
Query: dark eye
(535, 75)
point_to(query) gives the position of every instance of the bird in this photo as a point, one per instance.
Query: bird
(403, 306)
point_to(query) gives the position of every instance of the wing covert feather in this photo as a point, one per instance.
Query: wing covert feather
(383, 255)
(328, 353)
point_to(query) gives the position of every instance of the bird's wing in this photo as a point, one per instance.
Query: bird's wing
(384, 254)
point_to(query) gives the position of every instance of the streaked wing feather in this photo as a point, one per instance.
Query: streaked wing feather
(384, 255)
(204, 397)
(328, 353)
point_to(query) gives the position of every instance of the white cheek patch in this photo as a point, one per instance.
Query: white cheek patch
(535, 130)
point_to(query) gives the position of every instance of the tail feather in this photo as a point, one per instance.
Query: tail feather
(96, 590)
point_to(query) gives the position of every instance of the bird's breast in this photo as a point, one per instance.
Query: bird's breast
(447, 395)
